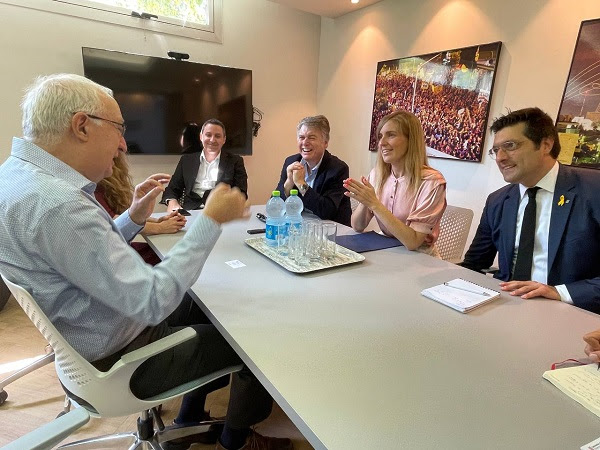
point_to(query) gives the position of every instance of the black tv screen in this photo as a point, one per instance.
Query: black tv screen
(159, 96)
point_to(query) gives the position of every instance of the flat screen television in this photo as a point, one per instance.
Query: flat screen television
(159, 96)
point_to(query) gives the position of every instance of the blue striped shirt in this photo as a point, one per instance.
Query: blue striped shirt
(59, 243)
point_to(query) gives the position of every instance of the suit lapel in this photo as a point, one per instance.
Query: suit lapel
(223, 166)
(508, 222)
(320, 178)
(191, 171)
(564, 195)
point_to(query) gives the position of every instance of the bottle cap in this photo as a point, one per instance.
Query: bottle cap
(294, 192)
(276, 194)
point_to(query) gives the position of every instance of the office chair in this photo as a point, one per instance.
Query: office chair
(107, 394)
(454, 230)
(50, 434)
(40, 362)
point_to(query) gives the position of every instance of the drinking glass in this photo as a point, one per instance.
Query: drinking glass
(328, 238)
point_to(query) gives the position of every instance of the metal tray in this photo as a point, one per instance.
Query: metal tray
(343, 256)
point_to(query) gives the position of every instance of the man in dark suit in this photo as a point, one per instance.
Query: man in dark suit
(564, 253)
(197, 173)
(316, 173)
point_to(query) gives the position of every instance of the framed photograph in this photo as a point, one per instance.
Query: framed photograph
(449, 91)
(578, 119)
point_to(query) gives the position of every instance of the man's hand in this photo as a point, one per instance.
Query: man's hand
(145, 195)
(290, 171)
(530, 289)
(173, 205)
(592, 348)
(299, 174)
(225, 204)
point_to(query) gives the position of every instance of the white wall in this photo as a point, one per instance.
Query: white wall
(538, 41)
(280, 45)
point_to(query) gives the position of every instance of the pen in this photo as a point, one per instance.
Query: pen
(467, 290)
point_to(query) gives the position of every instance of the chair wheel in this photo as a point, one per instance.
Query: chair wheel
(3, 396)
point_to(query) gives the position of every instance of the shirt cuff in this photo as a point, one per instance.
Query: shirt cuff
(128, 228)
(564, 294)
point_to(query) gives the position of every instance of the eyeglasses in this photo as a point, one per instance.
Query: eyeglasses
(508, 147)
(121, 127)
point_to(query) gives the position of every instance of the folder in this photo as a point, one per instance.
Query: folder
(366, 242)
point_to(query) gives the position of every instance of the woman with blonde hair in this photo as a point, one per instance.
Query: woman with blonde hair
(406, 196)
(115, 194)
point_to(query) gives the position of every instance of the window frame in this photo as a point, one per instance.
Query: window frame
(121, 16)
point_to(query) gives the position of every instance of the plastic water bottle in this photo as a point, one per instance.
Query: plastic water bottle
(275, 218)
(293, 210)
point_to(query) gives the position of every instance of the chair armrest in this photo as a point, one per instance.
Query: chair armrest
(52, 433)
(159, 346)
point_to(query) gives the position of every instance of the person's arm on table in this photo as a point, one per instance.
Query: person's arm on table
(113, 273)
(364, 192)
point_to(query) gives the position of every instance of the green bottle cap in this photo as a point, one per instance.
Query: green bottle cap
(294, 192)
(276, 194)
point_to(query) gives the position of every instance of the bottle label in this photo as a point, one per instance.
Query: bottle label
(271, 231)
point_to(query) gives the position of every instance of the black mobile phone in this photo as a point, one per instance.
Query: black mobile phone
(183, 212)
(261, 217)
(256, 231)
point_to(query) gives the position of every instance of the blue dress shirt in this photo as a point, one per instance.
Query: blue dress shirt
(59, 243)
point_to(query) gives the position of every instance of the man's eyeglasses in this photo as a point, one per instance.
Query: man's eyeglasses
(121, 127)
(508, 147)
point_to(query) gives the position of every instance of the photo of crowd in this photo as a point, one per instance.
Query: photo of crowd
(579, 113)
(450, 93)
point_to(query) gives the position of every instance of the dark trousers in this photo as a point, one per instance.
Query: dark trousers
(207, 352)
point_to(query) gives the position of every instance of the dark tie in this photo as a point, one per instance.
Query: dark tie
(525, 255)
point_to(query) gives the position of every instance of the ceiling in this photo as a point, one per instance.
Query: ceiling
(327, 8)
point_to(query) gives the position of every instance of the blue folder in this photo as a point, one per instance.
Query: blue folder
(366, 242)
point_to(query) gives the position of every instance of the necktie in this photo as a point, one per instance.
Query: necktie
(522, 269)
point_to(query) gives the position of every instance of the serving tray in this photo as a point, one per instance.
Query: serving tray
(343, 256)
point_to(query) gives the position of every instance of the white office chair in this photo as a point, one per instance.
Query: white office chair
(50, 434)
(454, 230)
(107, 394)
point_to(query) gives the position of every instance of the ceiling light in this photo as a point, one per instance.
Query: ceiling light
(354, 1)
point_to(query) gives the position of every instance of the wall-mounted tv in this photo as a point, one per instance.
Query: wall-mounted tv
(158, 96)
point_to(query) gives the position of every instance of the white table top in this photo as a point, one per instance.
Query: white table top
(358, 359)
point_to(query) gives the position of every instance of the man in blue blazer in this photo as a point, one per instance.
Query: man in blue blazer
(317, 174)
(566, 251)
(197, 173)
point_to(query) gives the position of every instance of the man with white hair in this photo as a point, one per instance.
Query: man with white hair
(61, 245)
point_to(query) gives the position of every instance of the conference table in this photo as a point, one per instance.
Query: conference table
(359, 359)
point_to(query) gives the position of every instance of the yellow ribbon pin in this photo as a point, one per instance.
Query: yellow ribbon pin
(561, 201)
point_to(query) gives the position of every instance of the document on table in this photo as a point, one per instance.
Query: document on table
(581, 383)
(461, 295)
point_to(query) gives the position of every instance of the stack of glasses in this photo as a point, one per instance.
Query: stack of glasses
(308, 241)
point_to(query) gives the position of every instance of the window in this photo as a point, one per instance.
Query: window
(198, 19)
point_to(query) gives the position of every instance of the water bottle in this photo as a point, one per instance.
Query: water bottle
(293, 210)
(275, 218)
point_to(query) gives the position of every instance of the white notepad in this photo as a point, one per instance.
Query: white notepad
(581, 383)
(461, 295)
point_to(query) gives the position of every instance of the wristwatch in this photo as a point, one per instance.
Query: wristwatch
(303, 188)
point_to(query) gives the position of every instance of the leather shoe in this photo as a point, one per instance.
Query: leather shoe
(256, 441)
(209, 437)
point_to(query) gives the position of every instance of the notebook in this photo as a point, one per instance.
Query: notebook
(581, 383)
(461, 295)
(366, 242)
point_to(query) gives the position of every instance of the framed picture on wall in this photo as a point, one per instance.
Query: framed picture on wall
(578, 119)
(449, 91)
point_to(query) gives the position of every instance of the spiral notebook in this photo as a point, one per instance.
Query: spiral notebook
(461, 295)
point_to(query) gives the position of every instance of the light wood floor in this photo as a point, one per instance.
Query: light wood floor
(37, 397)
